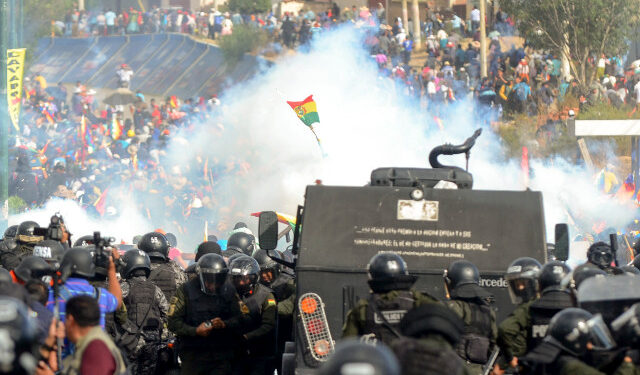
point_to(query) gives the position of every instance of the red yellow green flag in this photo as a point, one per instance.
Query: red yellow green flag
(306, 110)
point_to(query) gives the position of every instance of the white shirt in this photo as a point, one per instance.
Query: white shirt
(636, 89)
(475, 15)
(125, 74)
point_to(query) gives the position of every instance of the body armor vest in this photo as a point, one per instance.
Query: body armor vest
(383, 317)
(254, 302)
(141, 302)
(541, 312)
(475, 343)
(164, 277)
(203, 307)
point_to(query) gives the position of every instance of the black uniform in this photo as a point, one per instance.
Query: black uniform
(259, 332)
(190, 307)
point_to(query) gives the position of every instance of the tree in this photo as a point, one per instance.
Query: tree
(249, 6)
(576, 29)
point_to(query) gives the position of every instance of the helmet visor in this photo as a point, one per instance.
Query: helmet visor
(522, 289)
(601, 337)
(211, 281)
(242, 283)
(601, 258)
(626, 327)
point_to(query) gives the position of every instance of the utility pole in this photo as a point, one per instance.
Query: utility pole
(4, 113)
(483, 39)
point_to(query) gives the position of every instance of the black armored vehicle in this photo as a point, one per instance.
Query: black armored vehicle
(430, 217)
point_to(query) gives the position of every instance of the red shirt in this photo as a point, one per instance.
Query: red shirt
(97, 360)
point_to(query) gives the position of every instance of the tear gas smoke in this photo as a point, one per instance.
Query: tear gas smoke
(264, 156)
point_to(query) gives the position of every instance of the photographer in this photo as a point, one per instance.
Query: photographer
(78, 265)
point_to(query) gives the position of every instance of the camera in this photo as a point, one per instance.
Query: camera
(101, 254)
(54, 231)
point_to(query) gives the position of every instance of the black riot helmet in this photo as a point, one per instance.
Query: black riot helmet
(155, 244)
(235, 256)
(51, 251)
(173, 240)
(84, 241)
(18, 337)
(580, 274)
(572, 328)
(522, 279)
(32, 267)
(25, 232)
(136, 259)
(212, 272)
(11, 232)
(243, 241)
(552, 274)
(244, 272)
(600, 254)
(269, 268)
(78, 262)
(388, 271)
(626, 327)
(355, 357)
(26, 228)
(461, 272)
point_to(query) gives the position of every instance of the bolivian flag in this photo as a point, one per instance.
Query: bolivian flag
(306, 110)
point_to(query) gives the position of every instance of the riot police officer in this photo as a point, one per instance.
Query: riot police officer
(431, 333)
(572, 334)
(165, 273)
(51, 251)
(522, 282)
(206, 316)
(529, 323)
(391, 297)
(601, 256)
(243, 242)
(259, 332)
(25, 240)
(147, 310)
(472, 304)
(284, 290)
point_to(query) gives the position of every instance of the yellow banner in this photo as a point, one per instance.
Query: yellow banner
(15, 72)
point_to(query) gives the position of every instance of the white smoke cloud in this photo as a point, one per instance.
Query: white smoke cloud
(364, 124)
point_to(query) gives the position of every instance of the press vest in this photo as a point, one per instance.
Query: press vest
(72, 363)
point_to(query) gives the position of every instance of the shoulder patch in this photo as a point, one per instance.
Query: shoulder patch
(172, 310)
(244, 308)
(271, 302)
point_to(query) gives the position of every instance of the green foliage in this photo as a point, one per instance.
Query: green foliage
(577, 28)
(38, 15)
(16, 205)
(249, 6)
(605, 111)
(244, 39)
